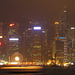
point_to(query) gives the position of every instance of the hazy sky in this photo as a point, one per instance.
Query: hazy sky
(16, 9)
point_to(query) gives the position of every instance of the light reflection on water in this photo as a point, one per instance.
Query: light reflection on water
(29, 70)
(25, 74)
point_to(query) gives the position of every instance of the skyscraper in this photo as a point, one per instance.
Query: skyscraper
(1, 40)
(64, 32)
(34, 44)
(72, 44)
(13, 39)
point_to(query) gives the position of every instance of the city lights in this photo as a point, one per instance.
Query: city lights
(0, 43)
(13, 39)
(56, 22)
(62, 37)
(17, 58)
(29, 28)
(1, 36)
(43, 31)
(11, 25)
(37, 28)
(72, 27)
(37, 37)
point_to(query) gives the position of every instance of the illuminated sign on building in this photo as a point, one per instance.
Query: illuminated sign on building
(13, 39)
(1, 36)
(62, 37)
(72, 27)
(37, 28)
(11, 24)
(29, 28)
(43, 31)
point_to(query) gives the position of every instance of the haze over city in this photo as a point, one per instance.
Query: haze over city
(37, 36)
(17, 9)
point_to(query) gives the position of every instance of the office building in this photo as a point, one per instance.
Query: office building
(12, 39)
(34, 44)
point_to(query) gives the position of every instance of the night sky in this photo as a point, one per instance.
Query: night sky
(18, 10)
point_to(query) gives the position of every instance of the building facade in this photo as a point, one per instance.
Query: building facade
(34, 44)
(71, 53)
(12, 40)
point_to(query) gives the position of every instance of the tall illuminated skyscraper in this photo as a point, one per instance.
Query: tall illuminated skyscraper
(13, 39)
(72, 44)
(1, 39)
(34, 44)
(64, 32)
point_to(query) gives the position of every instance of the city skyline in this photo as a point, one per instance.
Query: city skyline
(37, 37)
(45, 12)
(17, 19)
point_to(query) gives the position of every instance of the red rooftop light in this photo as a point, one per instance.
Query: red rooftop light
(12, 24)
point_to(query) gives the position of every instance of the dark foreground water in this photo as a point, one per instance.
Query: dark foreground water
(44, 71)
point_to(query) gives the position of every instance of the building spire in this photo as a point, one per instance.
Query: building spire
(65, 4)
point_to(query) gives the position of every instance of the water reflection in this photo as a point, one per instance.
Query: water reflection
(25, 74)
